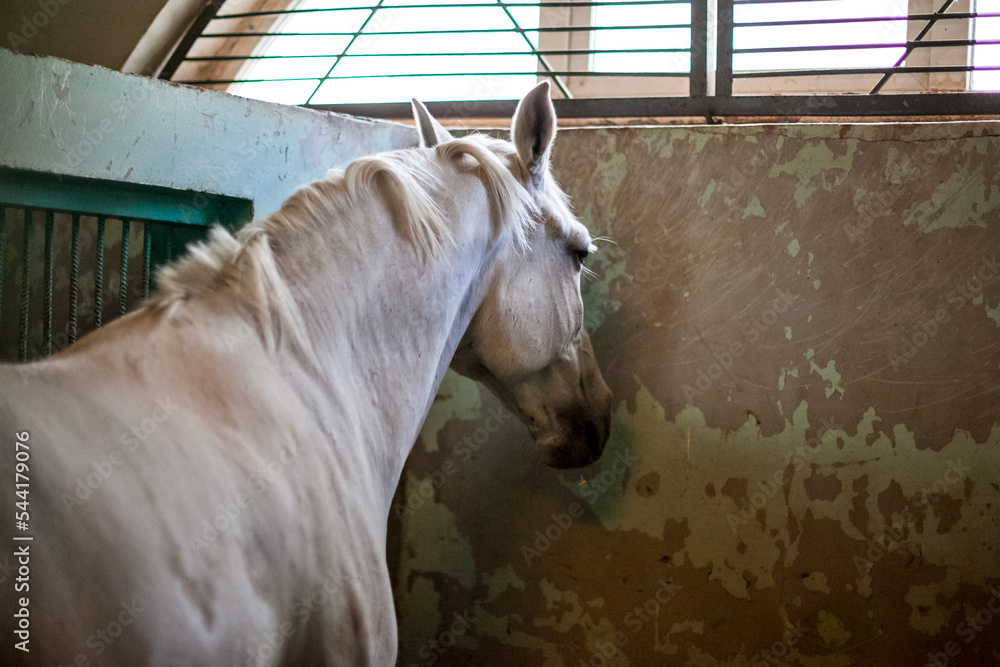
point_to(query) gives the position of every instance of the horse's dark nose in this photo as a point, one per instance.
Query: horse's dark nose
(595, 439)
(582, 440)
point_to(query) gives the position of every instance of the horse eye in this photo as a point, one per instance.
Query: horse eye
(583, 253)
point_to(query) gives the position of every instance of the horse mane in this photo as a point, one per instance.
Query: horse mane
(406, 181)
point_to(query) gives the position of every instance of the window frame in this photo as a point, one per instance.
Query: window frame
(933, 83)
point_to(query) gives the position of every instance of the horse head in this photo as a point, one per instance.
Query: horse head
(526, 342)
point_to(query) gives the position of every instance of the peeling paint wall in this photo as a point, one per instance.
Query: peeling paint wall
(801, 325)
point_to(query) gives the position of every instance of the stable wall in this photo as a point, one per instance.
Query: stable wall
(772, 425)
(88, 122)
(801, 327)
(74, 120)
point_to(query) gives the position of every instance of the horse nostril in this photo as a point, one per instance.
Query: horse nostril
(595, 438)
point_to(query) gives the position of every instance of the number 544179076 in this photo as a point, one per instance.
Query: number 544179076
(21, 481)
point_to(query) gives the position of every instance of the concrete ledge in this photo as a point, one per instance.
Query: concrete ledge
(80, 120)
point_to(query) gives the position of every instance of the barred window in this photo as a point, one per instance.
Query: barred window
(681, 56)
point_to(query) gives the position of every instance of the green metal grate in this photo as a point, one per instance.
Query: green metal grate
(57, 236)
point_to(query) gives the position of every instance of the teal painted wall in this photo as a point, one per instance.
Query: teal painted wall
(78, 120)
(84, 122)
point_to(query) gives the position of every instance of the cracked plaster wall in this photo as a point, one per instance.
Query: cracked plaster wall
(801, 326)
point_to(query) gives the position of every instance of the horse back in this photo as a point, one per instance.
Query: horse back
(180, 507)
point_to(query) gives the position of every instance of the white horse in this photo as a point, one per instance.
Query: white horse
(207, 480)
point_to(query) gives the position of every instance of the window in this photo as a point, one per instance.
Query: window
(853, 44)
(986, 52)
(438, 52)
(353, 55)
(372, 51)
(641, 38)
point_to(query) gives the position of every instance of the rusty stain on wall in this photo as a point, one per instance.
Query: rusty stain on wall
(800, 325)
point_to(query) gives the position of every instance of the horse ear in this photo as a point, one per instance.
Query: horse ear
(431, 131)
(534, 129)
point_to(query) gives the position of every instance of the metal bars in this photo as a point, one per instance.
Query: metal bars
(542, 60)
(440, 5)
(438, 31)
(25, 291)
(147, 250)
(99, 272)
(3, 249)
(259, 53)
(123, 280)
(698, 86)
(871, 59)
(347, 48)
(66, 238)
(47, 309)
(724, 62)
(74, 279)
(911, 45)
(509, 40)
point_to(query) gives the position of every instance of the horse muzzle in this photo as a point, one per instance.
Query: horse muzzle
(580, 438)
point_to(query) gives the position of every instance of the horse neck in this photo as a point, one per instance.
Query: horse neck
(383, 327)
